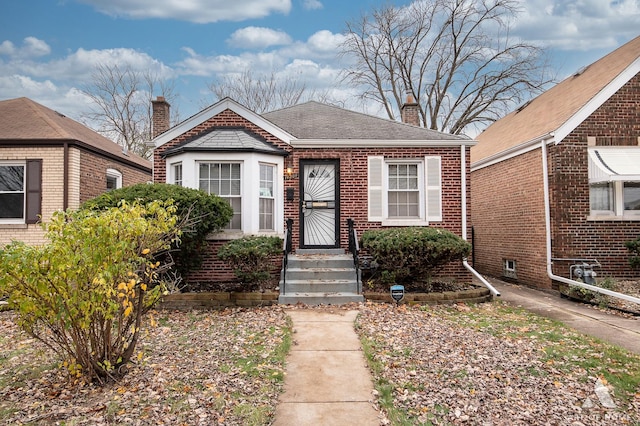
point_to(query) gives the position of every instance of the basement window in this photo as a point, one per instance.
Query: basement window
(509, 269)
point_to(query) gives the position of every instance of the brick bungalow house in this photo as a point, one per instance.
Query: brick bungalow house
(556, 183)
(49, 162)
(317, 165)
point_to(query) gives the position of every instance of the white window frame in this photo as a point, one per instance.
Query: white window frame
(618, 211)
(228, 196)
(114, 174)
(263, 196)
(17, 220)
(250, 169)
(177, 178)
(429, 187)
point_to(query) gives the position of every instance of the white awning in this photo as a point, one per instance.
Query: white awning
(609, 164)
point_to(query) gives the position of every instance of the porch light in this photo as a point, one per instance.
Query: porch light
(288, 171)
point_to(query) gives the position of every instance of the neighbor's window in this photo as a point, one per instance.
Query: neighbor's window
(12, 194)
(509, 268)
(114, 179)
(615, 199)
(267, 200)
(224, 180)
(177, 174)
(631, 197)
(601, 197)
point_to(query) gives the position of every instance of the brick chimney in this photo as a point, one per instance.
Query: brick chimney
(410, 112)
(160, 116)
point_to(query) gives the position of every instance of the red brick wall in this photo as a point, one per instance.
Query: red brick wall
(93, 174)
(508, 218)
(615, 123)
(508, 202)
(353, 187)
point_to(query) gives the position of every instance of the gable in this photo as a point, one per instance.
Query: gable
(559, 110)
(200, 120)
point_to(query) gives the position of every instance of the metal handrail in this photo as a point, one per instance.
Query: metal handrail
(354, 249)
(286, 249)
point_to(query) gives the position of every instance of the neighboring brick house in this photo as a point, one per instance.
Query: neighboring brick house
(317, 165)
(49, 162)
(557, 181)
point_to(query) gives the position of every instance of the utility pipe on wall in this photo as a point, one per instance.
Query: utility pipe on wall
(547, 218)
(463, 176)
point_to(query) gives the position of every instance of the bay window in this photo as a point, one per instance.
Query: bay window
(224, 180)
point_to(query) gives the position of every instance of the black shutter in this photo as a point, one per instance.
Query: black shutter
(34, 191)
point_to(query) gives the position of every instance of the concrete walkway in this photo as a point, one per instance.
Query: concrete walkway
(327, 381)
(615, 329)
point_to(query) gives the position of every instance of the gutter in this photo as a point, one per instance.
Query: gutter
(463, 179)
(547, 218)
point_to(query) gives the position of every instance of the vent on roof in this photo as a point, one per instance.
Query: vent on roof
(523, 106)
(580, 71)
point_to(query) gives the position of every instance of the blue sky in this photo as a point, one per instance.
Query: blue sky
(49, 48)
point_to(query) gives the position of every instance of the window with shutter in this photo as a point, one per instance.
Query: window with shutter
(375, 188)
(405, 192)
(34, 191)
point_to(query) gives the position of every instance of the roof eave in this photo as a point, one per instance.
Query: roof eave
(379, 143)
(177, 151)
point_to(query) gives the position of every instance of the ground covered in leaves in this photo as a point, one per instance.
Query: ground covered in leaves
(481, 365)
(493, 365)
(195, 368)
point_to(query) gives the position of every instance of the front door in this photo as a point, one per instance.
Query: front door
(319, 209)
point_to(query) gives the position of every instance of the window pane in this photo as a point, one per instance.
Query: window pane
(266, 180)
(236, 219)
(235, 171)
(204, 171)
(601, 196)
(631, 195)
(12, 206)
(225, 187)
(11, 178)
(266, 214)
(112, 183)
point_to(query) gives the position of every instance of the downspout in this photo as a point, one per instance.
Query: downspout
(463, 178)
(547, 218)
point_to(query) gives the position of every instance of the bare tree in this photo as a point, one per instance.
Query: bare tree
(264, 92)
(454, 57)
(122, 98)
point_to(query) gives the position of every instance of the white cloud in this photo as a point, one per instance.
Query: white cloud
(7, 48)
(198, 11)
(34, 47)
(31, 48)
(578, 24)
(312, 4)
(325, 41)
(258, 38)
(79, 65)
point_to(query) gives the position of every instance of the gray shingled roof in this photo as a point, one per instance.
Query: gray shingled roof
(314, 120)
(225, 139)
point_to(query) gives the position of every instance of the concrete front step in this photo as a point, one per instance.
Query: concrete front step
(315, 298)
(319, 286)
(320, 261)
(321, 274)
(320, 278)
